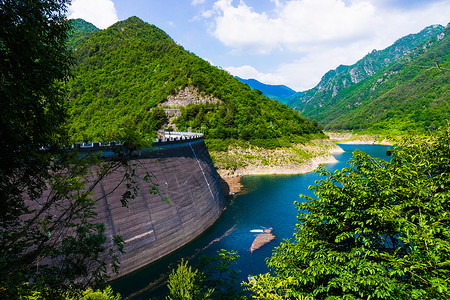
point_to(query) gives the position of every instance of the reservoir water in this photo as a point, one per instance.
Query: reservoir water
(266, 201)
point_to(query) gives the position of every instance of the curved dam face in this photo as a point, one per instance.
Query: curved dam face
(150, 226)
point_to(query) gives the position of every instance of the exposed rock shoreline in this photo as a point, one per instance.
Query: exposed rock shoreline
(350, 138)
(320, 153)
(231, 184)
(366, 142)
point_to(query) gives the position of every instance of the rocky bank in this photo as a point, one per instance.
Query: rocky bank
(351, 138)
(298, 159)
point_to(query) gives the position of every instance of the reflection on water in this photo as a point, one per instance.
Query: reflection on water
(268, 201)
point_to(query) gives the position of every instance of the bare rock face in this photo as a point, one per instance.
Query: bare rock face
(188, 95)
(262, 239)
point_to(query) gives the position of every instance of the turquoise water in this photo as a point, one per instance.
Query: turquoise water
(266, 201)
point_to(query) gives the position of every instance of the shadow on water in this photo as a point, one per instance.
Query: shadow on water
(268, 201)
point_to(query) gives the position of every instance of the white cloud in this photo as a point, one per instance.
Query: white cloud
(306, 72)
(276, 2)
(296, 25)
(321, 33)
(101, 13)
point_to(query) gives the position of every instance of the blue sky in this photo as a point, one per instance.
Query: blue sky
(290, 42)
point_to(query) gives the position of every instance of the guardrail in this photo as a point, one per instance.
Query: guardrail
(173, 138)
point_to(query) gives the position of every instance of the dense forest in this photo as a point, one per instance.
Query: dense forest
(80, 31)
(410, 93)
(123, 75)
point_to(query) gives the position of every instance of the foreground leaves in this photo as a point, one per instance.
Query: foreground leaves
(213, 278)
(376, 230)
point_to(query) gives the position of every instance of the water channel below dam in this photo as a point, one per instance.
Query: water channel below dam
(266, 201)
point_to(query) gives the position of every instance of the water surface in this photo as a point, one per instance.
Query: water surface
(266, 201)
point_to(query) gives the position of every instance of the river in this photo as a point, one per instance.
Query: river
(265, 201)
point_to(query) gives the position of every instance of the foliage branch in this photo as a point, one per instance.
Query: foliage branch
(50, 241)
(377, 230)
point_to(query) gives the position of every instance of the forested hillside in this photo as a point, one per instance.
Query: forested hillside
(125, 74)
(384, 80)
(81, 30)
(410, 94)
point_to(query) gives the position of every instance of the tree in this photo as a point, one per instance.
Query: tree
(49, 240)
(159, 117)
(183, 284)
(33, 63)
(376, 230)
(265, 286)
(88, 294)
(213, 278)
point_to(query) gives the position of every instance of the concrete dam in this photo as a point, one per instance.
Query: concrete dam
(150, 226)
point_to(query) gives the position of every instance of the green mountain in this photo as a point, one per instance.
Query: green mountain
(281, 93)
(311, 102)
(81, 30)
(133, 75)
(411, 93)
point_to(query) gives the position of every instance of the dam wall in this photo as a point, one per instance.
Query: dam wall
(151, 226)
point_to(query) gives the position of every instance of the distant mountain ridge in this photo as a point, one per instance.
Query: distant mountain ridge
(281, 93)
(411, 93)
(310, 102)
